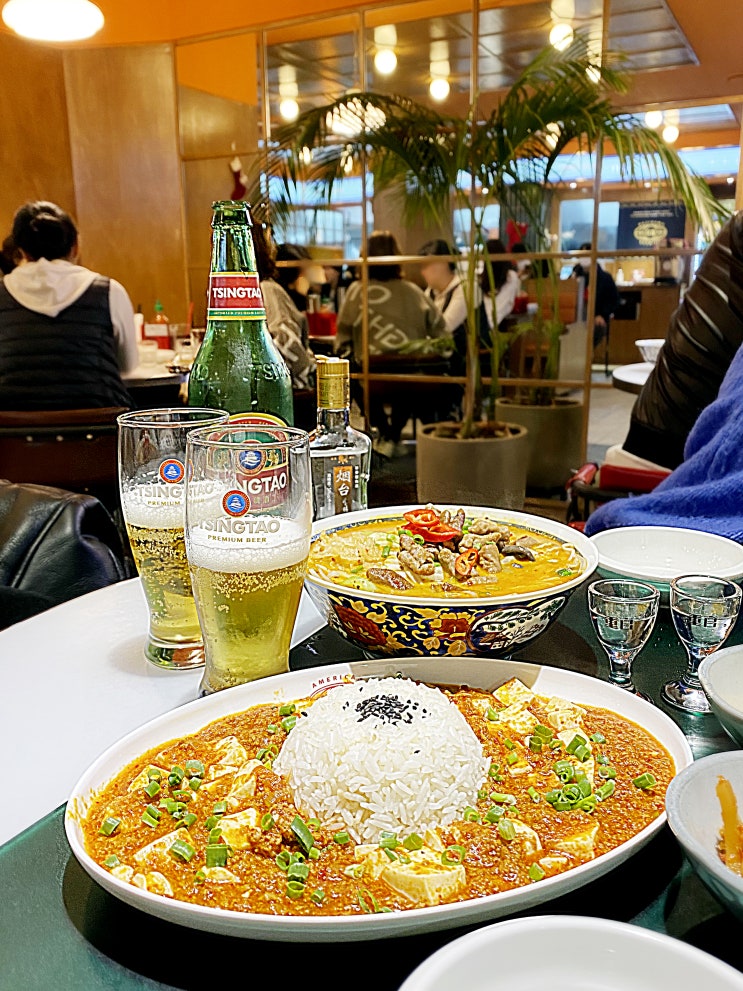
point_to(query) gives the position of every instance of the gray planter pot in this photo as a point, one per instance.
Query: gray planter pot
(482, 471)
(555, 439)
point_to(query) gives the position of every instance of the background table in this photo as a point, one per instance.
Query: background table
(60, 930)
(631, 378)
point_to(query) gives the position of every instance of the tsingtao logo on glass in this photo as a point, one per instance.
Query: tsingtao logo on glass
(235, 503)
(172, 471)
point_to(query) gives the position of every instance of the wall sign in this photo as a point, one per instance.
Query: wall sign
(649, 225)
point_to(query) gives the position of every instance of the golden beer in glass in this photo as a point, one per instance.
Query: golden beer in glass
(248, 528)
(152, 459)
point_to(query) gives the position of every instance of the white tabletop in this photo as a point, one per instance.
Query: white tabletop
(631, 378)
(75, 680)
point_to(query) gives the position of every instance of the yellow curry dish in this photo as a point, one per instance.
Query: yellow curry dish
(431, 553)
(381, 795)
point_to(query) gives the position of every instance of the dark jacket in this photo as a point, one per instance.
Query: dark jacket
(705, 332)
(63, 362)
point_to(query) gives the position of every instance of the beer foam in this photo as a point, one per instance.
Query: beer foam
(223, 549)
(161, 516)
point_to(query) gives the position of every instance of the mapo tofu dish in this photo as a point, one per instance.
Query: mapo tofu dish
(439, 553)
(382, 795)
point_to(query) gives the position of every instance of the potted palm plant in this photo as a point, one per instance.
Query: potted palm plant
(437, 162)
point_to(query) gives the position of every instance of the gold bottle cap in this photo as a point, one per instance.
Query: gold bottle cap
(333, 382)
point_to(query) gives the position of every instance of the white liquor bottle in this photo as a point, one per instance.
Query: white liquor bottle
(340, 455)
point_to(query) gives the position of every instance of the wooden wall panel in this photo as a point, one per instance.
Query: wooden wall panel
(124, 138)
(35, 161)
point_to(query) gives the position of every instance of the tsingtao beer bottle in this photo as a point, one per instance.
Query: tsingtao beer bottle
(238, 367)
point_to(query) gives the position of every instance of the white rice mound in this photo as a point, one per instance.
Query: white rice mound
(383, 754)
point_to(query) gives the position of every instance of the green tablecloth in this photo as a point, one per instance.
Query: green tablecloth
(59, 930)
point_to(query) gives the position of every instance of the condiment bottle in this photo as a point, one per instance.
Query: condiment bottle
(238, 367)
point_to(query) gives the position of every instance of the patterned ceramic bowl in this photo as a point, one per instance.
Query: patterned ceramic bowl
(494, 626)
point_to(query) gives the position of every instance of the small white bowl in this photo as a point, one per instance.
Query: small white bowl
(564, 952)
(658, 554)
(721, 675)
(649, 348)
(695, 818)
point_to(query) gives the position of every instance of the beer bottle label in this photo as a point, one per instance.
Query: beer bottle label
(235, 296)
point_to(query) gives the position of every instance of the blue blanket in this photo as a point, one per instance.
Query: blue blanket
(705, 492)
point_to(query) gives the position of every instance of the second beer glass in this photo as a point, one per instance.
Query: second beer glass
(248, 528)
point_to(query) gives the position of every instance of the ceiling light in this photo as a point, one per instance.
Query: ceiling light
(730, 180)
(648, 185)
(670, 133)
(53, 20)
(573, 185)
(653, 118)
(561, 36)
(552, 134)
(439, 89)
(289, 108)
(385, 61)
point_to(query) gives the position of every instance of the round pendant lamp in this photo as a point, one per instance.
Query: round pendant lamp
(53, 20)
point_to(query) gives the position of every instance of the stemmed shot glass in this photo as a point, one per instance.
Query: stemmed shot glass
(248, 529)
(152, 469)
(623, 613)
(704, 610)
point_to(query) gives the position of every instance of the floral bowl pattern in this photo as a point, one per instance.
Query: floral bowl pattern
(388, 624)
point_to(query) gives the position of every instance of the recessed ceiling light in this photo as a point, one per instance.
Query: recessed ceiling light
(439, 89)
(53, 20)
(653, 118)
(561, 36)
(385, 61)
(670, 133)
(730, 180)
(289, 108)
(573, 185)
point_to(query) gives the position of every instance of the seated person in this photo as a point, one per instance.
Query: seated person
(501, 289)
(444, 284)
(607, 297)
(293, 279)
(704, 334)
(399, 314)
(703, 492)
(66, 333)
(286, 325)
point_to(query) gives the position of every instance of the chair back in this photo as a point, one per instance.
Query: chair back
(75, 450)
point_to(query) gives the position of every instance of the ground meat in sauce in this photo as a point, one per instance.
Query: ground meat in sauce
(492, 864)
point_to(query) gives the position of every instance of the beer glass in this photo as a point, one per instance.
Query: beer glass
(248, 528)
(152, 458)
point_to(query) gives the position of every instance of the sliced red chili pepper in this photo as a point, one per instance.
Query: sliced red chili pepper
(427, 524)
(466, 561)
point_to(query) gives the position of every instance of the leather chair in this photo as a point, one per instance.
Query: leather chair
(69, 449)
(591, 486)
(54, 546)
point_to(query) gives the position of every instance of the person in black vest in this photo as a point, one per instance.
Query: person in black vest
(66, 333)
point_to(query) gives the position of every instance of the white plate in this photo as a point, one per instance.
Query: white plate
(571, 953)
(476, 672)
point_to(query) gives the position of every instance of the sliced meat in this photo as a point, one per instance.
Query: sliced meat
(518, 551)
(482, 526)
(527, 540)
(388, 577)
(415, 557)
(490, 557)
(459, 519)
(446, 560)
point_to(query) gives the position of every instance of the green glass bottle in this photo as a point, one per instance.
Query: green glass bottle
(238, 367)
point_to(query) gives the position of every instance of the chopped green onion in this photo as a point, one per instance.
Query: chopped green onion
(492, 715)
(295, 889)
(188, 820)
(375, 904)
(386, 550)
(216, 854)
(183, 851)
(453, 854)
(413, 842)
(342, 838)
(194, 783)
(154, 774)
(287, 709)
(288, 723)
(194, 769)
(304, 836)
(211, 822)
(509, 744)
(111, 861)
(149, 820)
(181, 795)
(597, 738)
(582, 752)
(536, 873)
(493, 770)
(215, 834)
(152, 789)
(219, 808)
(298, 871)
(267, 822)
(644, 781)
(283, 860)
(272, 728)
(607, 772)
(482, 794)
(535, 745)
(577, 741)
(199, 877)
(109, 826)
(494, 813)
(314, 853)
(543, 731)
(564, 770)
(317, 896)
(564, 572)
(602, 759)
(175, 777)
(588, 804)
(388, 840)
(502, 798)
(511, 758)
(314, 823)
(471, 815)
(533, 794)
(507, 829)
(605, 791)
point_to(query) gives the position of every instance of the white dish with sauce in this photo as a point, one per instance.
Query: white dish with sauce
(475, 672)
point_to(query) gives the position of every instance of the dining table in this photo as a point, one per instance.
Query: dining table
(631, 378)
(75, 680)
